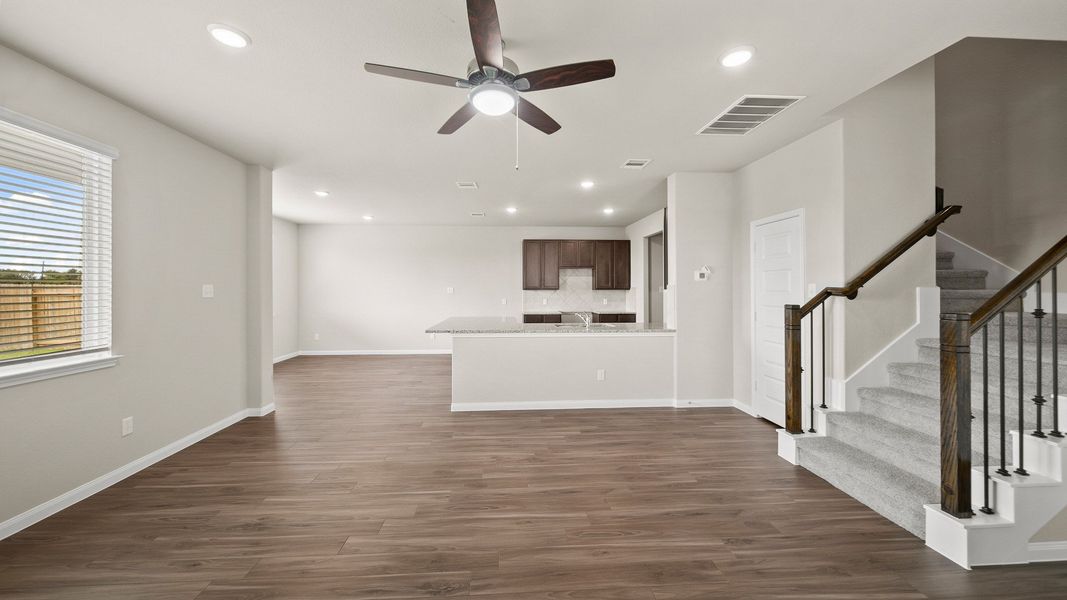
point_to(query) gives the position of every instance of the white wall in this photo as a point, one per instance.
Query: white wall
(1002, 145)
(807, 174)
(699, 218)
(371, 288)
(285, 282)
(637, 232)
(179, 210)
(889, 142)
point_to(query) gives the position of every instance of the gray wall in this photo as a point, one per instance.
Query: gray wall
(179, 222)
(285, 281)
(366, 288)
(1002, 144)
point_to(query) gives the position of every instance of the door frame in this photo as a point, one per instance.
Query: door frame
(791, 214)
(648, 275)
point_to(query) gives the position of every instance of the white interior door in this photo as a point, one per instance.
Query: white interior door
(777, 280)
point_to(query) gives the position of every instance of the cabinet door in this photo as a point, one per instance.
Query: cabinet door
(628, 317)
(533, 318)
(586, 252)
(568, 253)
(550, 265)
(620, 262)
(531, 264)
(607, 318)
(551, 318)
(603, 275)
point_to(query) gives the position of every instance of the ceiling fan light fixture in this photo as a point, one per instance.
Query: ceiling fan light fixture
(493, 99)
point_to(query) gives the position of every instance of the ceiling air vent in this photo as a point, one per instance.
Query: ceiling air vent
(467, 185)
(748, 113)
(636, 163)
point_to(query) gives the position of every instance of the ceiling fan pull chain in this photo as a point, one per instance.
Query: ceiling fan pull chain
(517, 100)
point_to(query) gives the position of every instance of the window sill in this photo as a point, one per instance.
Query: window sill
(29, 372)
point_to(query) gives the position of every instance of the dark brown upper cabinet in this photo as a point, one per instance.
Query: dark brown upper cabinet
(542, 260)
(540, 264)
(603, 262)
(620, 264)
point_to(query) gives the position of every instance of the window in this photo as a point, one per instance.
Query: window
(55, 247)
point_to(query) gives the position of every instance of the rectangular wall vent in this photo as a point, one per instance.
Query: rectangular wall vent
(747, 114)
(467, 185)
(636, 163)
(478, 214)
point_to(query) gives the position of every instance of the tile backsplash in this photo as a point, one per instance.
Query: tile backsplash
(575, 293)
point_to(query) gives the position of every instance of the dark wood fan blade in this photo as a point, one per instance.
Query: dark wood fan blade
(413, 75)
(554, 77)
(537, 118)
(485, 33)
(464, 114)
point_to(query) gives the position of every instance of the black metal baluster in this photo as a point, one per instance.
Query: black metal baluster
(811, 364)
(822, 307)
(985, 422)
(1020, 468)
(1055, 360)
(1039, 400)
(1003, 470)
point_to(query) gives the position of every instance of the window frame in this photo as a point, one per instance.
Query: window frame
(22, 370)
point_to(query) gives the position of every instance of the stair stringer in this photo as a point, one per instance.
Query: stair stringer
(1023, 506)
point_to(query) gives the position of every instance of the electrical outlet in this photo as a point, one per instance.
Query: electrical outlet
(127, 426)
(600, 374)
(207, 290)
(316, 337)
(544, 301)
(605, 301)
(450, 290)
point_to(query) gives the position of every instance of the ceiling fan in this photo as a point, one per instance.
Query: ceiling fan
(494, 81)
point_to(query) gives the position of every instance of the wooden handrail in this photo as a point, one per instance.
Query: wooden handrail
(927, 228)
(1022, 282)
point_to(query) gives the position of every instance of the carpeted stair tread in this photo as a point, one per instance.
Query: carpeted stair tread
(899, 446)
(961, 279)
(892, 492)
(1011, 351)
(945, 260)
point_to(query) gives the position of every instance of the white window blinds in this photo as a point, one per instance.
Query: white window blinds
(55, 247)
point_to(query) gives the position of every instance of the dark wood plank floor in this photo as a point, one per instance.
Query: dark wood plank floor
(364, 485)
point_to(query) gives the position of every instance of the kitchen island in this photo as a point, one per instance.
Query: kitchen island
(503, 364)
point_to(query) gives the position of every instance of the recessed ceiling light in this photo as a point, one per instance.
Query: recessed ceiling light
(608, 211)
(511, 210)
(587, 184)
(228, 36)
(322, 193)
(368, 217)
(737, 56)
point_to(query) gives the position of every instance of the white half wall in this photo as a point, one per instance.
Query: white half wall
(179, 222)
(285, 282)
(376, 288)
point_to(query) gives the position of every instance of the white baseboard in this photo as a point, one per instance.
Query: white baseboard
(745, 408)
(561, 404)
(46, 509)
(261, 411)
(373, 352)
(284, 357)
(1047, 551)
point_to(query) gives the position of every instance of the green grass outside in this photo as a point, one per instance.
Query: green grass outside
(31, 352)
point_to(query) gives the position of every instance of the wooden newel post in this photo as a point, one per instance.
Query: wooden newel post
(794, 412)
(956, 415)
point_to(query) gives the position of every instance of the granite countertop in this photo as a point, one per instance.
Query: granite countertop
(461, 325)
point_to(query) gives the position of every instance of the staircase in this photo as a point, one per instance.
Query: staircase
(887, 454)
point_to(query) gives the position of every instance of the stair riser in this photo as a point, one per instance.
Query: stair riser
(925, 416)
(944, 263)
(961, 282)
(920, 459)
(1011, 369)
(901, 513)
(932, 388)
(960, 305)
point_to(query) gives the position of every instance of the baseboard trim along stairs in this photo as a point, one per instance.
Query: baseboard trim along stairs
(46, 509)
(884, 451)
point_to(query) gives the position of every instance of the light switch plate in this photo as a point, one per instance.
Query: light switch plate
(127, 426)
(450, 290)
(503, 300)
(600, 374)
(207, 291)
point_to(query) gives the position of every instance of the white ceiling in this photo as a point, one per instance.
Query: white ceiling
(299, 101)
